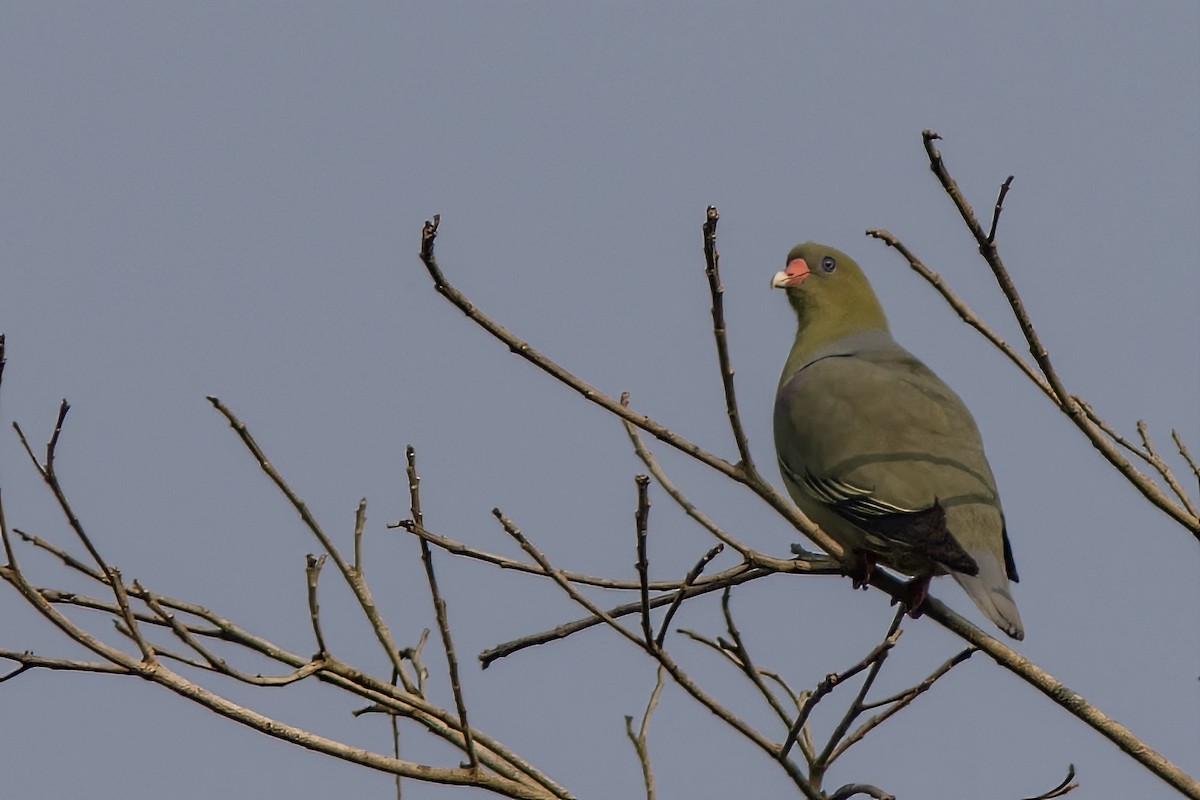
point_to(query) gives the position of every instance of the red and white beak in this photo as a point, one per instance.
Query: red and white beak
(792, 276)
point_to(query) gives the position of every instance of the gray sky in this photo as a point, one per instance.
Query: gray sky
(227, 199)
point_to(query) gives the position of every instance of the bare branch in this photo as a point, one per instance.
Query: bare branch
(1004, 187)
(933, 609)
(360, 521)
(312, 573)
(712, 260)
(898, 702)
(27, 661)
(740, 473)
(1058, 392)
(740, 574)
(677, 674)
(817, 564)
(1068, 784)
(1183, 451)
(641, 523)
(872, 660)
(639, 739)
(962, 309)
(353, 578)
(677, 600)
(851, 789)
(439, 607)
(1165, 471)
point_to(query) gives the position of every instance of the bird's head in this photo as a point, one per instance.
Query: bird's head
(830, 294)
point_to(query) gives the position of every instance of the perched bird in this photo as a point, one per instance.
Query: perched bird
(880, 453)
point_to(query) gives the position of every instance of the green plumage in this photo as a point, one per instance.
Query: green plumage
(876, 449)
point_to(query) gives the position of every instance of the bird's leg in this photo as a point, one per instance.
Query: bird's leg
(912, 596)
(863, 569)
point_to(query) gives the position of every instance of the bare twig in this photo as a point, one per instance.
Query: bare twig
(639, 739)
(1004, 187)
(312, 573)
(962, 309)
(1063, 696)
(1062, 398)
(817, 564)
(712, 260)
(740, 473)
(851, 789)
(897, 702)
(353, 577)
(641, 523)
(681, 679)
(677, 599)
(360, 521)
(1068, 784)
(935, 610)
(27, 661)
(439, 607)
(466, 551)
(738, 575)
(872, 660)
(746, 663)
(1183, 451)
(1165, 471)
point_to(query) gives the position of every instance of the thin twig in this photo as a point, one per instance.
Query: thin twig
(740, 473)
(1064, 400)
(1183, 451)
(639, 739)
(962, 309)
(677, 599)
(746, 663)
(1066, 785)
(677, 674)
(875, 659)
(641, 524)
(935, 610)
(1165, 471)
(821, 564)
(312, 573)
(851, 789)
(834, 679)
(50, 477)
(712, 260)
(738, 575)
(466, 551)
(439, 607)
(27, 661)
(353, 578)
(1111, 432)
(898, 702)
(1004, 187)
(360, 521)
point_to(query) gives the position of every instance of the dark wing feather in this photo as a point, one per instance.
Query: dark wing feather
(920, 529)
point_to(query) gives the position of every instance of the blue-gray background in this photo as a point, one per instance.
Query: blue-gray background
(227, 199)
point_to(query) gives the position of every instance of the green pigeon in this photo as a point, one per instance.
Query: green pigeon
(878, 451)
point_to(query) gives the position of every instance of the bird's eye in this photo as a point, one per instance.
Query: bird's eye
(828, 263)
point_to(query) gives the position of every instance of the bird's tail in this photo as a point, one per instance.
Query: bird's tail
(990, 592)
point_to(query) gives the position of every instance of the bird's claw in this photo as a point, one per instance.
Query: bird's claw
(860, 574)
(913, 595)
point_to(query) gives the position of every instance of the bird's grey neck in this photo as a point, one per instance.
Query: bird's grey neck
(853, 344)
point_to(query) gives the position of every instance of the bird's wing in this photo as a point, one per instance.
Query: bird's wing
(880, 440)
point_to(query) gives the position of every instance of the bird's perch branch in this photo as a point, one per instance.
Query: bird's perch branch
(1002, 654)
(1045, 376)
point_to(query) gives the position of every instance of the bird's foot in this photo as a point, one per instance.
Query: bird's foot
(912, 597)
(863, 569)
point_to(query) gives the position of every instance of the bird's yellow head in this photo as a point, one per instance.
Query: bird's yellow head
(830, 294)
